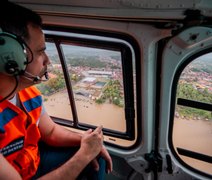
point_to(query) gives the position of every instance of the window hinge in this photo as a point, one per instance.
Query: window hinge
(154, 161)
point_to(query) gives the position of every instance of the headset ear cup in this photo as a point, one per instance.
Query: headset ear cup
(11, 67)
(2, 41)
(13, 59)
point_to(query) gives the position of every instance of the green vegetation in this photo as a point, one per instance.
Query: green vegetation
(188, 91)
(52, 85)
(90, 61)
(112, 93)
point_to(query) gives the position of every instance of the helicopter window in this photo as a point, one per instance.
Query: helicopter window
(91, 83)
(192, 124)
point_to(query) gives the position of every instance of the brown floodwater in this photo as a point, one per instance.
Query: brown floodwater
(194, 135)
(108, 115)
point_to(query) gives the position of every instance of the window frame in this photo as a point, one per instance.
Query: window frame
(187, 103)
(127, 49)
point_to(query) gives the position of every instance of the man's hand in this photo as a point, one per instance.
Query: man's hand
(91, 142)
(105, 155)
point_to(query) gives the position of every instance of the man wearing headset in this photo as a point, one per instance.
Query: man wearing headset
(23, 120)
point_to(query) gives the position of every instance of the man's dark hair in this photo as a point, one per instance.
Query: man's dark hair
(15, 18)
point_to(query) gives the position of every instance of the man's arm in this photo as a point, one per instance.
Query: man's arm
(90, 147)
(7, 172)
(56, 135)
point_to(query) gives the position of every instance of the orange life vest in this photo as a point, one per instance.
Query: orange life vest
(19, 133)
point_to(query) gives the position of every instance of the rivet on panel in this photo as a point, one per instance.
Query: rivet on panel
(157, 6)
(208, 32)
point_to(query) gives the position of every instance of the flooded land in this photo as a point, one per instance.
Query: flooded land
(194, 135)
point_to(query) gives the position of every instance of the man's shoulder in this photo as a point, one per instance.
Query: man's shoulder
(30, 90)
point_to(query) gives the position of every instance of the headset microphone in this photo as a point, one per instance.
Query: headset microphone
(36, 79)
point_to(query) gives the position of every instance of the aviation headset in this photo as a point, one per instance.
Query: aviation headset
(13, 54)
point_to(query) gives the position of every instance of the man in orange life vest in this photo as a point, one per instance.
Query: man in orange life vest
(24, 123)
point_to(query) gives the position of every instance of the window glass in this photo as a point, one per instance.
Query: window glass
(97, 82)
(193, 126)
